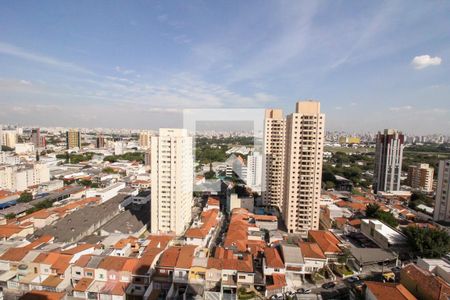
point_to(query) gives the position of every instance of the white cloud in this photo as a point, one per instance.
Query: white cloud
(401, 108)
(18, 52)
(423, 61)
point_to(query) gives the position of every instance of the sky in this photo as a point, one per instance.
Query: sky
(137, 64)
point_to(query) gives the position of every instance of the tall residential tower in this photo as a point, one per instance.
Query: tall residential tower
(388, 160)
(442, 200)
(274, 147)
(303, 168)
(172, 180)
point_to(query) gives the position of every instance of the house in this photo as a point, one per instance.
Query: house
(203, 229)
(423, 284)
(293, 262)
(125, 247)
(275, 284)
(313, 256)
(272, 262)
(387, 291)
(327, 242)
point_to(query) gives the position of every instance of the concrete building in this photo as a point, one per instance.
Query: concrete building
(9, 138)
(388, 160)
(254, 171)
(37, 139)
(100, 142)
(274, 147)
(303, 168)
(20, 177)
(442, 206)
(144, 139)
(118, 147)
(172, 180)
(73, 139)
(383, 235)
(420, 177)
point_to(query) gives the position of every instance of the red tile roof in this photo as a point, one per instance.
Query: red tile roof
(273, 258)
(311, 250)
(389, 291)
(327, 242)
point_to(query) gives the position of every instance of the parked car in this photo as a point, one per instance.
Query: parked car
(352, 279)
(277, 296)
(329, 285)
(303, 291)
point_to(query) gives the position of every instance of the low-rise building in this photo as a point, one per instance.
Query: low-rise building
(383, 235)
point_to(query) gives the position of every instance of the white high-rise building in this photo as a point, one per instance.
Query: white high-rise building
(303, 168)
(118, 147)
(19, 178)
(274, 147)
(172, 180)
(254, 171)
(144, 139)
(442, 200)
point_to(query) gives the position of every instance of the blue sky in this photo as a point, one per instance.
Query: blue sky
(135, 64)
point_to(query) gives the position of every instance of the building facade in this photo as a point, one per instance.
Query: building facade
(172, 180)
(420, 177)
(254, 171)
(388, 160)
(442, 205)
(73, 139)
(274, 147)
(303, 167)
(9, 138)
(37, 139)
(144, 139)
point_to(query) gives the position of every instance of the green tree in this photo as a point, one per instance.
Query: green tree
(372, 210)
(10, 216)
(387, 218)
(428, 242)
(109, 170)
(25, 197)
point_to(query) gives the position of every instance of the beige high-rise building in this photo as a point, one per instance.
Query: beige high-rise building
(420, 177)
(9, 138)
(442, 200)
(303, 168)
(274, 147)
(144, 139)
(73, 139)
(172, 181)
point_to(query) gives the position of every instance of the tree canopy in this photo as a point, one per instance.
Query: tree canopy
(428, 242)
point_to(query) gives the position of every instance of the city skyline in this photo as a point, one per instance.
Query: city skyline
(137, 65)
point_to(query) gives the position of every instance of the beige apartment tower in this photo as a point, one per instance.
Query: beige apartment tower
(144, 139)
(303, 168)
(274, 147)
(172, 181)
(420, 177)
(73, 139)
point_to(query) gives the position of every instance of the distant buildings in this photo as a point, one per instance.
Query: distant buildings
(388, 160)
(420, 177)
(20, 177)
(73, 139)
(442, 205)
(254, 171)
(274, 147)
(144, 139)
(118, 147)
(303, 168)
(9, 138)
(172, 180)
(100, 142)
(37, 139)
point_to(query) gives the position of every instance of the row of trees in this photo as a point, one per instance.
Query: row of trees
(130, 156)
(373, 211)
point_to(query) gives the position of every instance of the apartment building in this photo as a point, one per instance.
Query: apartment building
(73, 139)
(442, 206)
(144, 139)
(420, 177)
(388, 160)
(303, 167)
(9, 138)
(20, 177)
(254, 171)
(172, 180)
(274, 147)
